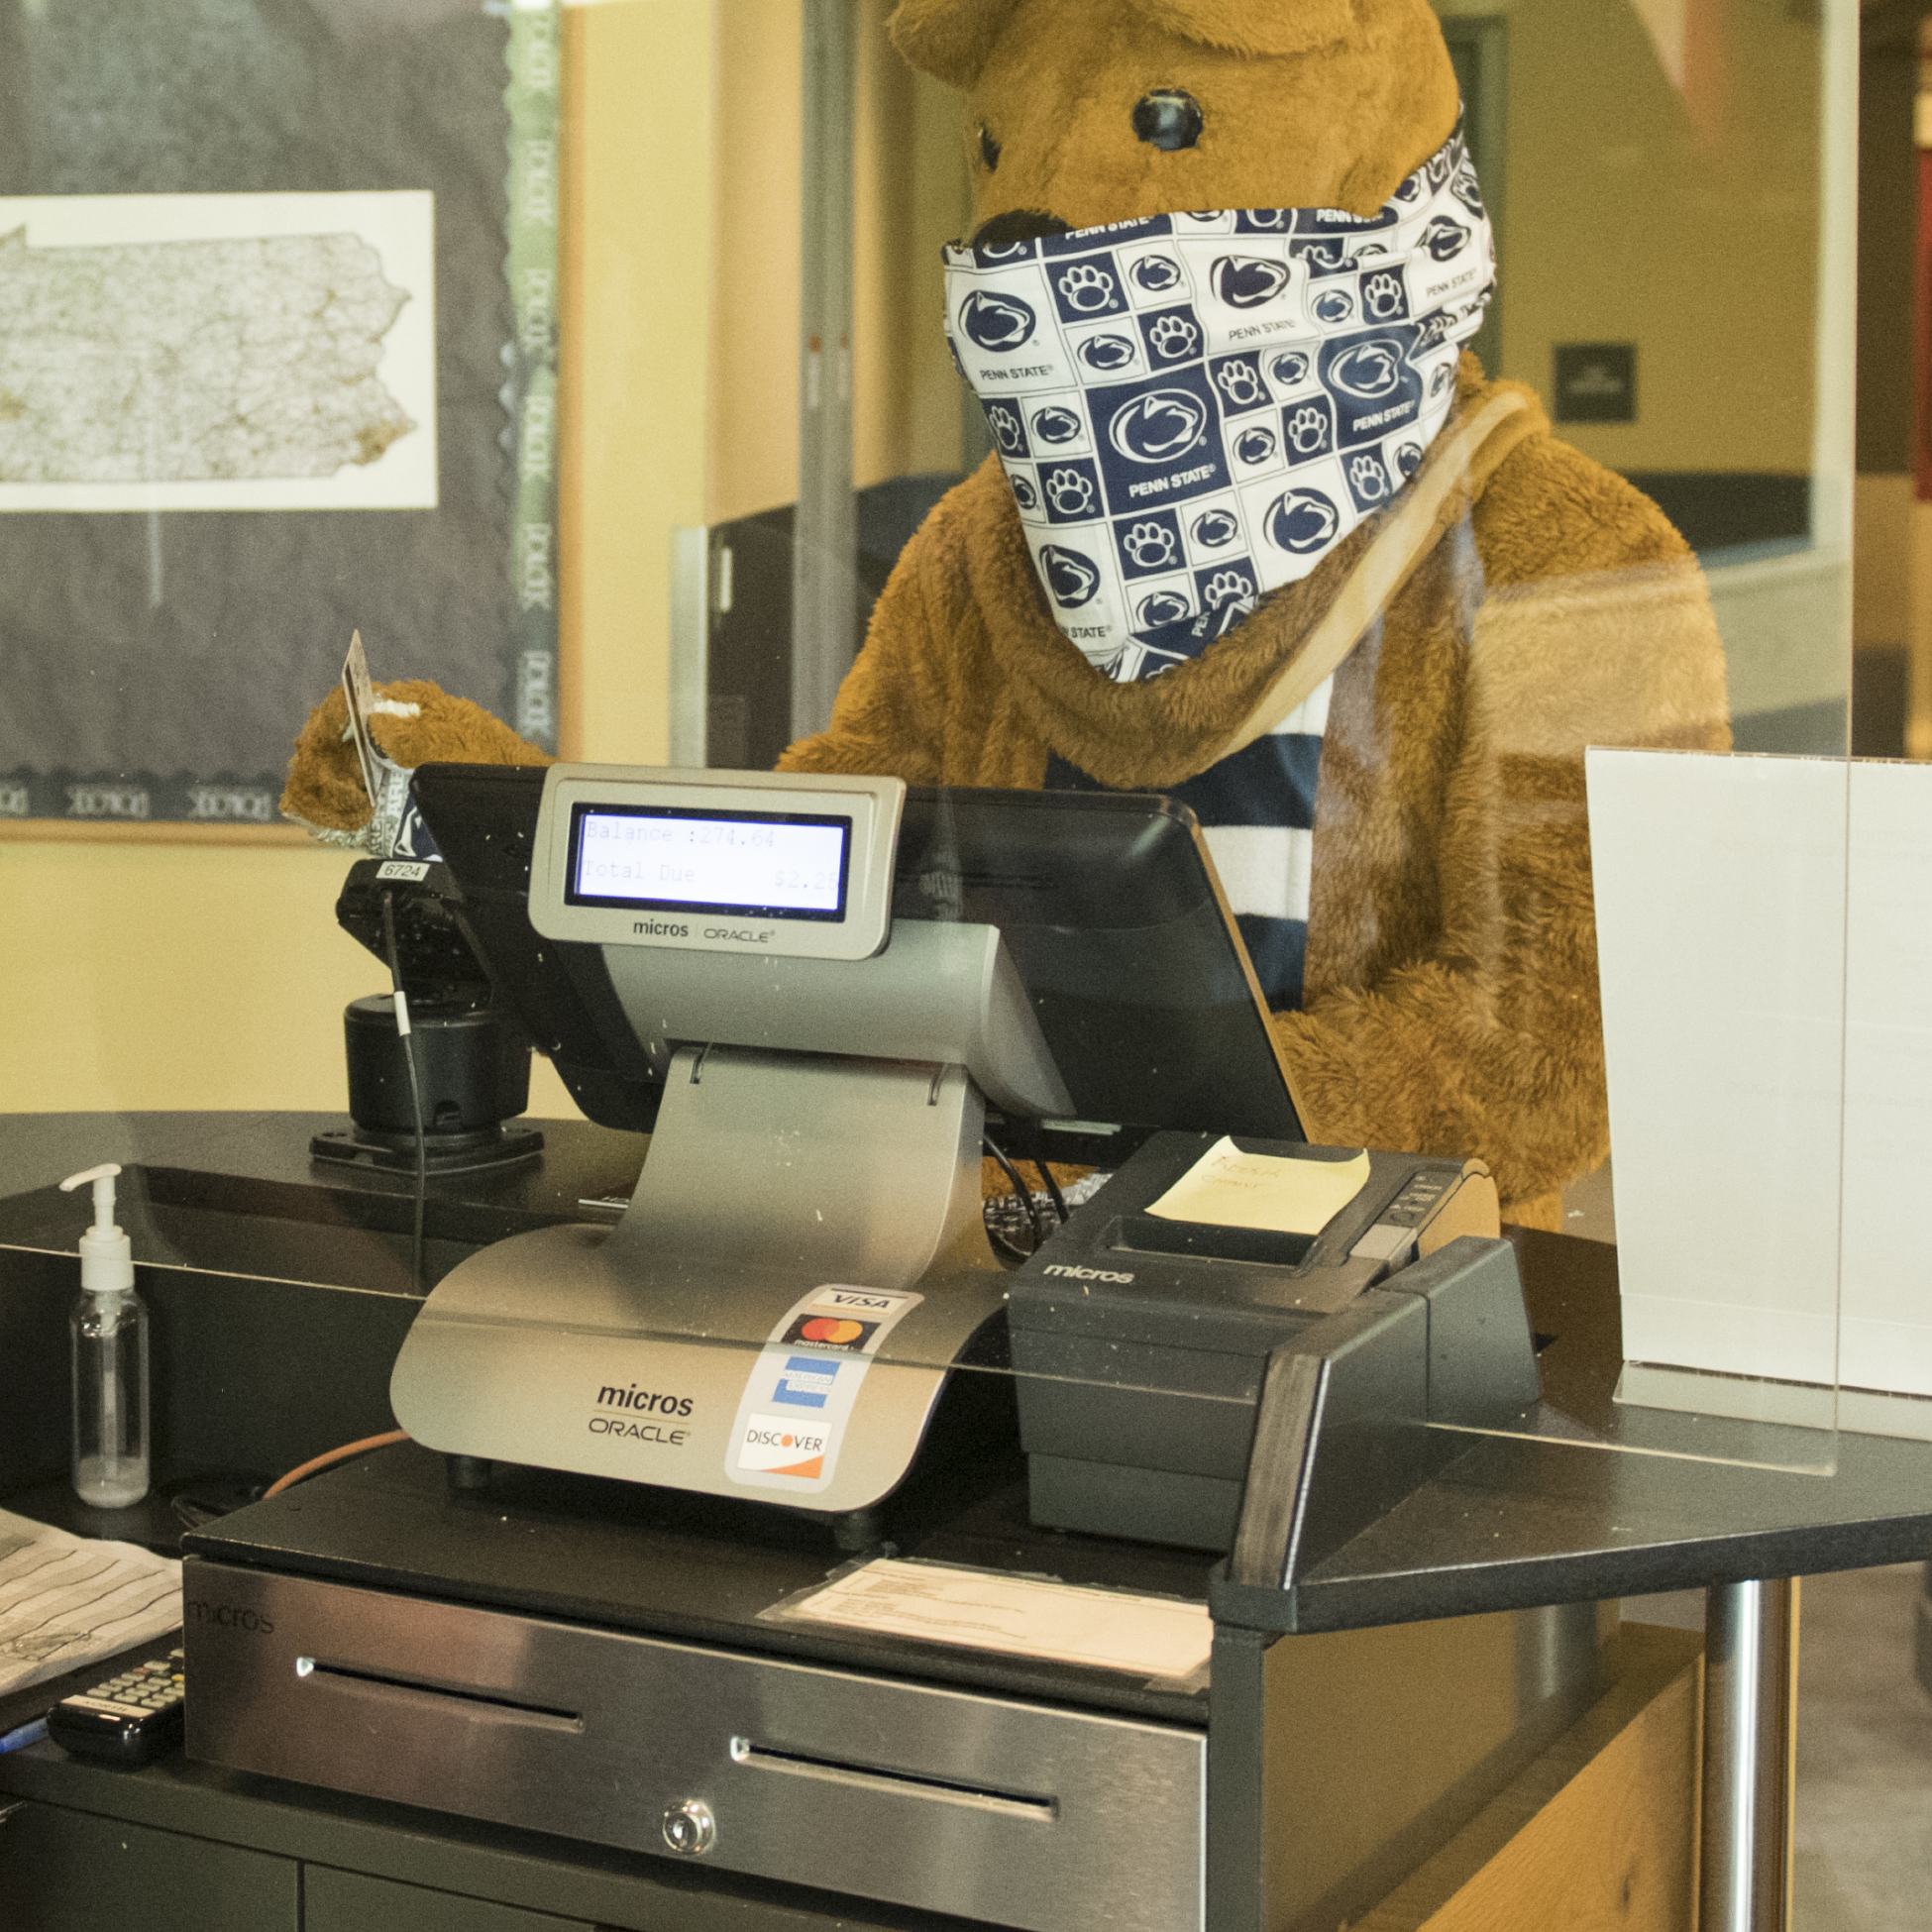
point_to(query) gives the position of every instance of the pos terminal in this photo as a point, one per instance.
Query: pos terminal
(835, 982)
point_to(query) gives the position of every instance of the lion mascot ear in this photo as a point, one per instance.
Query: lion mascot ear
(949, 38)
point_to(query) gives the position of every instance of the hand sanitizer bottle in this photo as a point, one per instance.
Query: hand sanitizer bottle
(110, 1360)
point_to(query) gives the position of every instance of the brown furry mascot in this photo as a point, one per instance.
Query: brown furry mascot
(1227, 252)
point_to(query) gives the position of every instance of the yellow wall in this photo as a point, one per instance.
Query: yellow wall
(199, 975)
(1625, 224)
(754, 415)
(911, 196)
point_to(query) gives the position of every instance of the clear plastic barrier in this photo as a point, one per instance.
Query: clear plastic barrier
(1584, 900)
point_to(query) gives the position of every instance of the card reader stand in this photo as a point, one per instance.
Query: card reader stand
(783, 1191)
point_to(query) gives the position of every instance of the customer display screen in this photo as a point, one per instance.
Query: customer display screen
(751, 863)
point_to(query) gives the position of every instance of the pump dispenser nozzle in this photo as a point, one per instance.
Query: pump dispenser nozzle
(106, 1257)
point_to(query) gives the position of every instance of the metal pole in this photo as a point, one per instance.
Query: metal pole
(1750, 1731)
(824, 554)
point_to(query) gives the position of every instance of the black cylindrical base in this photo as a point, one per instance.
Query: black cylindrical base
(474, 1066)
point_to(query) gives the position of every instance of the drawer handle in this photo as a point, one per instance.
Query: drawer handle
(874, 1777)
(309, 1671)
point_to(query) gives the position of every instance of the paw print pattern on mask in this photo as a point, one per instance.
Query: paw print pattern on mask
(1151, 546)
(1141, 379)
(1227, 587)
(1369, 479)
(1240, 382)
(1173, 337)
(1087, 290)
(1070, 493)
(1007, 430)
(1382, 296)
(1308, 430)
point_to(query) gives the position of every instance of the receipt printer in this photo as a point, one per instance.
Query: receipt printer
(1141, 1338)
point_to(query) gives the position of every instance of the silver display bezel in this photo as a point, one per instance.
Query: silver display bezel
(873, 804)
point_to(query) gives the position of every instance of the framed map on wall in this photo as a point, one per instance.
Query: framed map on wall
(278, 361)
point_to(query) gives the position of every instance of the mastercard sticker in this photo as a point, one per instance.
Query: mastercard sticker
(832, 1331)
(772, 1449)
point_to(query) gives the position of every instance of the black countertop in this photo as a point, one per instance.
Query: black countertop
(1507, 1523)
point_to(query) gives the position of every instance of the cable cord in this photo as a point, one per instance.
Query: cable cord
(330, 1458)
(1053, 1193)
(418, 1273)
(1026, 1193)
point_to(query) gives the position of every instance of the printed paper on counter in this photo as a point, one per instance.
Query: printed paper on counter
(1226, 1188)
(986, 1610)
(68, 1602)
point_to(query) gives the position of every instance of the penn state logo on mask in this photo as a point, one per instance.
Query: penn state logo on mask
(1072, 578)
(1156, 274)
(1302, 522)
(1290, 371)
(1445, 239)
(1057, 425)
(1107, 355)
(1248, 282)
(1333, 306)
(1256, 446)
(1368, 372)
(1215, 529)
(1000, 323)
(1164, 607)
(1160, 427)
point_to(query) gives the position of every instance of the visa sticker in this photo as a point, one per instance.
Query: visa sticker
(799, 1398)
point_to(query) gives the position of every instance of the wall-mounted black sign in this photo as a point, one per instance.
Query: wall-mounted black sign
(1596, 382)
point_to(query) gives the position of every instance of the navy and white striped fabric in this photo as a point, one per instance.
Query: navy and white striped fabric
(1257, 812)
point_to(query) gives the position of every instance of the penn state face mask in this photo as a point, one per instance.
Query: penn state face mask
(1195, 409)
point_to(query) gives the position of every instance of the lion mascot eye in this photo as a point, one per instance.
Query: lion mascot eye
(988, 148)
(1168, 119)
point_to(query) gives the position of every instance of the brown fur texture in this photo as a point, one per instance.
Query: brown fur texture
(324, 788)
(1450, 1001)
(1451, 998)
(1326, 122)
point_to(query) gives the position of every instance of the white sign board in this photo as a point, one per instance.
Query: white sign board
(1764, 934)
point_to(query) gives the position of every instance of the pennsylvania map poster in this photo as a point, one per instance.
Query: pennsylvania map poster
(277, 355)
(218, 352)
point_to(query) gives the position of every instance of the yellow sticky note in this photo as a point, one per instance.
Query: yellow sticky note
(1229, 1189)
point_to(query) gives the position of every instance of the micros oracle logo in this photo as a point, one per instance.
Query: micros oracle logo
(659, 929)
(1087, 1274)
(644, 1401)
(225, 1616)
